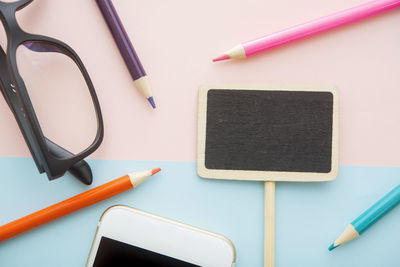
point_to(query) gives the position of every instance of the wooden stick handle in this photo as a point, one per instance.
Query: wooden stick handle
(269, 220)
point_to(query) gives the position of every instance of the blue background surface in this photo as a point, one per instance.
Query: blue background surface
(309, 216)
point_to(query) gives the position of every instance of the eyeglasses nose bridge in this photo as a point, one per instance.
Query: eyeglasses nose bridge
(23, 3)
(7, 14)
(15, 6)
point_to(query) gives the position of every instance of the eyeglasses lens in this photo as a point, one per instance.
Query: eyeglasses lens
(59, 95)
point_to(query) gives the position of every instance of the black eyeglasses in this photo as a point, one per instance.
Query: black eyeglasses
(52, 140)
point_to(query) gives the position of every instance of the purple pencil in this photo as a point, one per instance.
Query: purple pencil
(125, 47)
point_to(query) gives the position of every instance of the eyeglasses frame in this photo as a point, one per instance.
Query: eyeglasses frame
(48, 156)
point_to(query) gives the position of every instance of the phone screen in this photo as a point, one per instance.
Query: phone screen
(118, 254)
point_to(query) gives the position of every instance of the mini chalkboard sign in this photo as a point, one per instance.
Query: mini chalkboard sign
(268, 134)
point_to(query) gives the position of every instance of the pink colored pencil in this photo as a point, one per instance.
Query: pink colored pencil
(310, 28)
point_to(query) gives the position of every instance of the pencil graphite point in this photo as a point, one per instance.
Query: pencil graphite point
(222, 57)
(154, 171)
(332, 246)
(151, 101)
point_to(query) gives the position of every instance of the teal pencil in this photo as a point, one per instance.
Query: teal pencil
(369, 217)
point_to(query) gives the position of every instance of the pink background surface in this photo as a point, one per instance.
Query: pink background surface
(176, 41)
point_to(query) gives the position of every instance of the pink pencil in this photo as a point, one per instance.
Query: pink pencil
(310, 28)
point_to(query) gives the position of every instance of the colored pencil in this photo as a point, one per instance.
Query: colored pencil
(125, 46)
(369, 217)
(308, 29)
(73, 204)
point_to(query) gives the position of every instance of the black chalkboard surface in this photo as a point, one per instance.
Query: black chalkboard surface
(270, 130)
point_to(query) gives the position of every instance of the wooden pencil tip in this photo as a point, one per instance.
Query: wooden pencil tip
(154, 171)
(222, 57)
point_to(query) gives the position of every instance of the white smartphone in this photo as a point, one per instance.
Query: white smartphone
(129, 237)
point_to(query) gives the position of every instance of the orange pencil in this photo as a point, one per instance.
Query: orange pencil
(75, 203)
